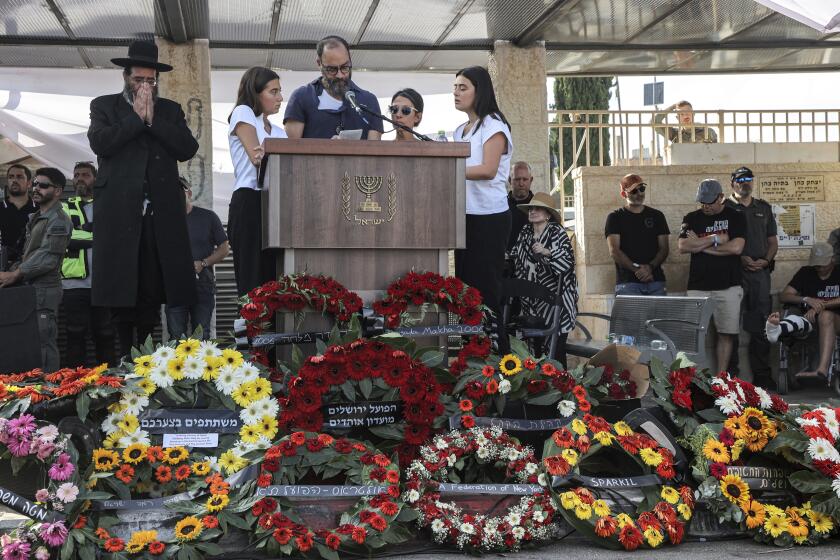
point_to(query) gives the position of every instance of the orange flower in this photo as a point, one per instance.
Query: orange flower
(154, 453)
(360, 447)
(557, 466)
(549, 369)
(109, 381)
(210, 521)
(467, 422)
(298, 438)
(529, 363)
(392, 476)
(382, 460)
(102, 534)
(325, 439)
(488, 371)
(579, 392)
(492, 387)
(125, 473)
(584, 406)
(163, 474)
(465, 405)
(156, 548)
(605, 527)
(80, 522)
(183, 472)
(114, 545)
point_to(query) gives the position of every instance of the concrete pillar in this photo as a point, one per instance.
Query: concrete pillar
(519, 80)
(189, 85)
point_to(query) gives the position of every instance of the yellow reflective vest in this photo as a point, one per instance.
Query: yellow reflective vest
(75, 263)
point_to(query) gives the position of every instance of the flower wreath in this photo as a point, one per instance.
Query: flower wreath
(140, 472)
(23, 439)
(376, 371)
(495, 380)
(728, 495)
(530, 521)
(665, 508)
(477, 346)
(18, 391)
(182, 373)
(429, 288)
(371, 523)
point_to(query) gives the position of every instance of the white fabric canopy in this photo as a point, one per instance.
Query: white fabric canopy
(822, 15)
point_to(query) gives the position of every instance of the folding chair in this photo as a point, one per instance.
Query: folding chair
(530, 328)
(804, 346)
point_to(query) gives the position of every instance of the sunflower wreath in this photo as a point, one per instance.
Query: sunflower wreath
(717, 467)
(369, 370)
(476, 455)
(489, 384)
(370, 524)
(429, 289)
(54, 516)
(20, 391)
(184, 372)
(193, 487)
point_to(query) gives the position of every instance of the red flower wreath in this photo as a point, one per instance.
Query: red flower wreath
(386, 368)
(417, 288)
(367, 525)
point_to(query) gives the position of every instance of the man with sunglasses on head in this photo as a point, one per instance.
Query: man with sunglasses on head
(320, 109)
(47, 235)
(637, 237)
(714, 236)
(141, 248)
(756, 265)
(15, 211)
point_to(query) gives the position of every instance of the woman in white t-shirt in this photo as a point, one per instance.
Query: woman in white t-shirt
(488, 219)
(259, 96)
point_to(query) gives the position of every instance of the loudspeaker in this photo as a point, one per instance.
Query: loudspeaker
(20, 344)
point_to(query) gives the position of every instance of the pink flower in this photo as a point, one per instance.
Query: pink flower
(43, 448)
(18, 447)
(54, 534)
(22, 426)
(62, 468)
(42, 553)
(42, 495)
(16, 550)
(48, 432)
(67, 492)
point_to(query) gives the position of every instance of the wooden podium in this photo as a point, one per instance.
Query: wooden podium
(364, 212)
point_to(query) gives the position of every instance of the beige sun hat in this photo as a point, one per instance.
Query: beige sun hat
(542, 200)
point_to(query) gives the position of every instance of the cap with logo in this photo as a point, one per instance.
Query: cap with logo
(821, 254)
(631, 182)
(742, 175)
(708, 191)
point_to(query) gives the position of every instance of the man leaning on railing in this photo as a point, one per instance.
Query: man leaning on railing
(686, 132)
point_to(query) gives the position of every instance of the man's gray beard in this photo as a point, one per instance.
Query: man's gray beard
(129, 95)
(336, 87)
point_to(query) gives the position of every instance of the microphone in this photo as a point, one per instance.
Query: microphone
(350, 96)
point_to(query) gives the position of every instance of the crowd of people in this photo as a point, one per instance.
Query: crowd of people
(131, 239)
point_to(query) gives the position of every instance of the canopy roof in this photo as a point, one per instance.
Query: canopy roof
(606, 37)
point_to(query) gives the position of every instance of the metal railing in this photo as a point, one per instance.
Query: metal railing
(597, 138)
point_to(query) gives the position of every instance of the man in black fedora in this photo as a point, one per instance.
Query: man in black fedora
(141, 248)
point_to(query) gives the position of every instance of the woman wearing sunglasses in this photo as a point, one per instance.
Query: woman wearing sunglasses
(488, 219)
(248, 126)
(406, 108)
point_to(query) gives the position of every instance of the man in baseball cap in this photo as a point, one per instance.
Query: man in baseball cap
(714, 236)
(756, 265)
(637, 237)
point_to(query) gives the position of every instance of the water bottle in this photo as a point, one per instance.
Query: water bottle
(441, 136)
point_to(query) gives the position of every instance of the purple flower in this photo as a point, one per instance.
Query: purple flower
(42, 553)
(54, 534)
(19, 447)
(42, 448)
(16, 550)
(62, 468)
(42, 495)
(22, 426)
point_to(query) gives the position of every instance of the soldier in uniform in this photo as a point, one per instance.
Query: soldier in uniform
(47, 235)
(757, 264)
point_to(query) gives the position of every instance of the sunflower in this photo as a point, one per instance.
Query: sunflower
(735, 424)
(670, 494)
(188, 529)
(134, 453)
(187, 347)
(715, 451)
(134, 547)
(755, 423)
(758, 443)
(201, 468)
(217, 502)
(754, 514)
(105, 460)
(510, 364)
(174, 455)
(735, 489)
(143, 537)
(776, 525)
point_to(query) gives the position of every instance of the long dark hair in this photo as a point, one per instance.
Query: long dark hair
(253, 81)
(485, 98)
(412, 95)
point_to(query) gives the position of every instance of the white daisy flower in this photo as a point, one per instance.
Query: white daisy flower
(208, 349)
(542, 480)
(438, 526)
(451, 460)
(228, 380)
(268, 406)
(531, 468)
(835, 485)
(412, 496)
(482, 452)
(512, 454)
(134, 403)
(820, 449)
(193, 367)
(467, 529)
(49, 432)
(109, 425)
(566, 408)
(832, 424)
(247, 372)
(539, 516)
(504, 387)
(159, 376)
(764, 399)
(518, 533)
(250, 414)
(137, 436)
(728, 405)
(162, 355)
(513, 518)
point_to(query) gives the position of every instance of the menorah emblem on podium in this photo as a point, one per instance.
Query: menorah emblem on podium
(368, 186)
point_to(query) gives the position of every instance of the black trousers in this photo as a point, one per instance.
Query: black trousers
(755, 308)
(481, 264)
(252, 266)
(82, 318)
(144, 317)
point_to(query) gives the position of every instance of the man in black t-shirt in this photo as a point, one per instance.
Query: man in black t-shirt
(521, 180)
(715, 236)
(15, 210)
(637, 236)
(816, 289)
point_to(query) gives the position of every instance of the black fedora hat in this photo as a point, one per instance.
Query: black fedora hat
(144, 54)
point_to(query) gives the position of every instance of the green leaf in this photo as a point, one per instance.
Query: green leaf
(711, 415)
(828, 503)
(408, 514)
(67, 550)
(809, 482)
(794, 439)
(592, 377)
(366, 386)
(392, 431)
(552, 397)
(326, 552)
(349, 391)
(86, 552)
(432, 358)
(83, 405)
(210, 548)
(235, 520)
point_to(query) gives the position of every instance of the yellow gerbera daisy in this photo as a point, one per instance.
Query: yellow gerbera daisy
(685, 511)
(735, 489)
(134, 547)
(754, 514)
(187, 347)
(211, 371)
(128, 423)
(600, 508)
(623, 519)
(147, 385)
(776, 525)
(268, 427)
(604, 438)
(510, 364)
(583, 511)
(217, 502)
(715, 451)
(736, 449)
(175, 368)
(230, 462)
(653, 537)
(797, 526)
(578, 426)
(134, 453)
(250, 433)
(568, 500)
(650, 457)
(112, 439)
(242, 395)
(232, 358)
(670, 494)
(188, 529)
(105, 460)
(821, 522)
(258, 389)
(143, 365)
(622, 428)
(571, 456)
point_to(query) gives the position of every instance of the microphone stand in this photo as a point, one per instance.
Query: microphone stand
(396, 124)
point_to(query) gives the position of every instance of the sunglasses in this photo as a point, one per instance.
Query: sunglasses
(744, 180)
(641, 188)
(405, 110)
(40, 185)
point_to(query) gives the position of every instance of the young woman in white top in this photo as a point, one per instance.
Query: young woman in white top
(488, 219)
(259, 96)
